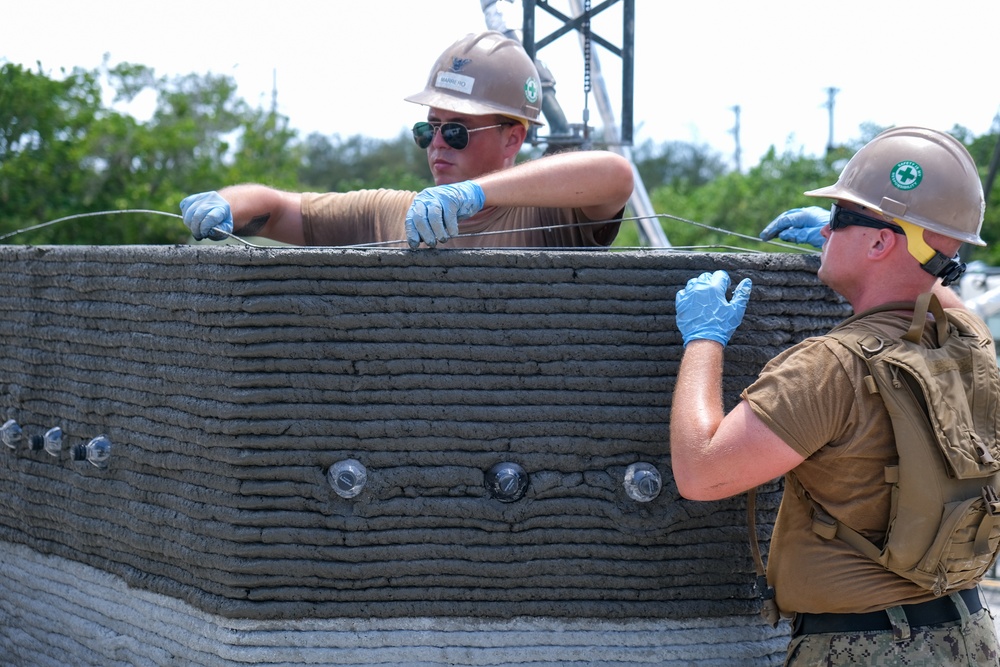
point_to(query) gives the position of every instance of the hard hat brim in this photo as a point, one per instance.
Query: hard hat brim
(463, 105)
(835, 191)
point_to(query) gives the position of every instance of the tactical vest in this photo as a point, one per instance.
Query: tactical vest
(944, 524)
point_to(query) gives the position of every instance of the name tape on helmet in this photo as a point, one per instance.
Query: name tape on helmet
(460, 83)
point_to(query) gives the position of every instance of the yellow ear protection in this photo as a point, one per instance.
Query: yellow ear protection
(948, 269)
(526, 124)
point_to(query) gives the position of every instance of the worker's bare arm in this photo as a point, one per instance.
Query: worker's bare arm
(262, 211)
(716, 455)
(598, 182)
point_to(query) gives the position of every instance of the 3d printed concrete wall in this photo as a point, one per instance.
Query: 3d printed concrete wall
(229, 381)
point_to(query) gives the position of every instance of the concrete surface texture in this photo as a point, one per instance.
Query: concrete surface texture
(231, 380)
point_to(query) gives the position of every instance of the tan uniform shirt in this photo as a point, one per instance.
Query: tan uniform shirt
(813, 397)
(376, 216)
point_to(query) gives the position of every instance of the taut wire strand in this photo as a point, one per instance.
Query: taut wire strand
(378, 244)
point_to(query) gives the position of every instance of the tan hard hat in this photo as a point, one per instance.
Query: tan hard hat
(922, 176)
(484, 74)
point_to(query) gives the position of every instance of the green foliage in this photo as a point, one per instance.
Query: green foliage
(738, 206)
(680, 165)
(743, 204)
(43, 129)
(266, 152)
(986, 152)
(63, 151)
(332, 164)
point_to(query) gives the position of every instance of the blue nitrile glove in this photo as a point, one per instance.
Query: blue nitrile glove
(799, 225)
(704, 313)
(436, 211)
(206, 211)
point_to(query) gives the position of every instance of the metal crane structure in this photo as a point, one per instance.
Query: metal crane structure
(563, 135)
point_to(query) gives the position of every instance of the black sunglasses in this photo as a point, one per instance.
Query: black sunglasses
(948, 269)
(455, 135)
(840, 218)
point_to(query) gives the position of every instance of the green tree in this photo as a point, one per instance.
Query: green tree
(740, 205)
(681, 165)
(267, 151)
(984, 151)
(43, 128)
(675, 167)
(333, 164)
(743, 204)
(63, 153)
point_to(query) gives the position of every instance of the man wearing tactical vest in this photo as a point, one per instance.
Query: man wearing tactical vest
(902, 207)
(483, 95)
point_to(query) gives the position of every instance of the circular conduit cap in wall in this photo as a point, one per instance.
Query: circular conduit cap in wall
(96, 452)
(10, 433)
(347, 477)
(642, 482)
(507, 482)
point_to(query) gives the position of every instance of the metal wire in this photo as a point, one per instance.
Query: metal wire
(378, 244)
(84, 215)
(604, 222)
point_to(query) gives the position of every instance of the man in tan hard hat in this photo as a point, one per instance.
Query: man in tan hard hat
(482, 95)
(863, 560)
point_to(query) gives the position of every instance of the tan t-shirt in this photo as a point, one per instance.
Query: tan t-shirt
(813, 397)
(379, 216)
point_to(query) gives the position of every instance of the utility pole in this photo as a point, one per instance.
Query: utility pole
(650, 229)
(831, 93)
(274, 91)
(736, 136)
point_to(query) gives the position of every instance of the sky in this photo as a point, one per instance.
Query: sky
(343, 66)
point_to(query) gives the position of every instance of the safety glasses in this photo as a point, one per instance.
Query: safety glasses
(840, 218)
(455, 135)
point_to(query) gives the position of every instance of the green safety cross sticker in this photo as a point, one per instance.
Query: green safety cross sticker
(531, 90)
(906, 175)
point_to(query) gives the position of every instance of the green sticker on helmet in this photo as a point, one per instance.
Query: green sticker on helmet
(531, 90)
(906, 175)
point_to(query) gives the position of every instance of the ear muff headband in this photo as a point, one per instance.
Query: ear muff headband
(948, 269)
(915, 242)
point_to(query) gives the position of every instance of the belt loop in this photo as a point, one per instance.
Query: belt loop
(963, 610)
(900, 624)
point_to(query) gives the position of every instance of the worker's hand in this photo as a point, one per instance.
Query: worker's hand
(704, 312)
(207, 213)
(799, 225)
(436, 211)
